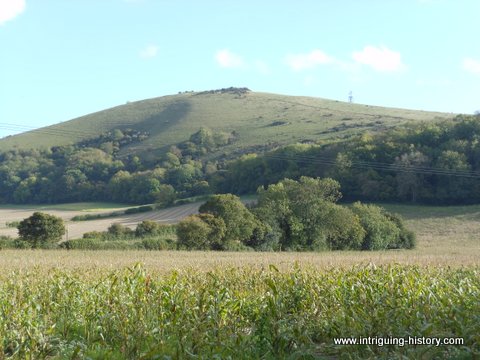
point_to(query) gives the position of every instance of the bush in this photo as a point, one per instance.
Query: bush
(201, 232)
(381, 231)
(6, 242)
(12, 224)
(344, 230)
(157, 243)
(139, 209)
(406, 238)
(97, 244)
(100, 235)
(119, 231)
(147, 228)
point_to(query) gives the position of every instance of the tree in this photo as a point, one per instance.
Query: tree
(239, 220)
(165, 195)
(41, 228)
(410, 180)
(381, 229)
(201, 232)
(298, 212)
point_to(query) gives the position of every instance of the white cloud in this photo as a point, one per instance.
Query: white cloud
(9, 9)
(298, 62)
(379, 58)
(227, 59)
(472, 65)
(149, 52)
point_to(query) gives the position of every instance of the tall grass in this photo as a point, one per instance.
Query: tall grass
(237, 313)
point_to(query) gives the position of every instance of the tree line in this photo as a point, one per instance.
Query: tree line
(94, 170)
(431, 162)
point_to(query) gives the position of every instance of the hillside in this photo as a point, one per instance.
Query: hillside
(257, 118)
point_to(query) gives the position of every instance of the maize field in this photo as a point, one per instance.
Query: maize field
(238, 312)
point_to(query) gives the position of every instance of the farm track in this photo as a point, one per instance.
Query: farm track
(77, 228)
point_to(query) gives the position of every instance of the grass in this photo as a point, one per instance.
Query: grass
(172, 119)
(80, 206)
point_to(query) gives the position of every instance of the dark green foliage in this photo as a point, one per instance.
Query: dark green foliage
(382, 231)
(240, 222)
(95, 235)
(293, 215)
(99, 244)
(146, 228)
(165, 195)
(434, 163)
(343, 228)
(40, 229)
(299, 212)
(201, 232)
(406, 238)
(118, 231)
(139, 209)
(157, 243)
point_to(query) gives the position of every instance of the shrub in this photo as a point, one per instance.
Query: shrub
(119, 231)
(139, 209)
(6, 242)
(100, 235)
(381, 231)
(146, 228)
(157, 243)
(343, 230)
(406, 238)
(202, 232)
(97, 244)
(12, 224)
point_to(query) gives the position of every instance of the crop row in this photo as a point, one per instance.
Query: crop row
(237, 313)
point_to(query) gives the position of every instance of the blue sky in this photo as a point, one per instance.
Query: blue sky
(62, 59)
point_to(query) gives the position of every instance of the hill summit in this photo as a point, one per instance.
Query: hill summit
(258, 120)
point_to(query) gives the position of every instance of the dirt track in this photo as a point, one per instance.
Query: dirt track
(77, 228)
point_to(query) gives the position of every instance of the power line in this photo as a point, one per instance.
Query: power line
(321, 160)
(378, 166)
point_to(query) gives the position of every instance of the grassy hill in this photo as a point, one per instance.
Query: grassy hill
(259, 119)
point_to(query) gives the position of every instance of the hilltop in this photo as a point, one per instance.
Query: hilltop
(259, 120)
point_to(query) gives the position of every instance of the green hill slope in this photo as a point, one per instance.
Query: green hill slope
(257, 118)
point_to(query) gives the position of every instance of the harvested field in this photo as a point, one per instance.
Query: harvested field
(77, 228)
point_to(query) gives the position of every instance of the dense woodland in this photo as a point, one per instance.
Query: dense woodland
(434, 162)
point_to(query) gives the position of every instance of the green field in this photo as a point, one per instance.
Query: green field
(258, 118)
(81, 206)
